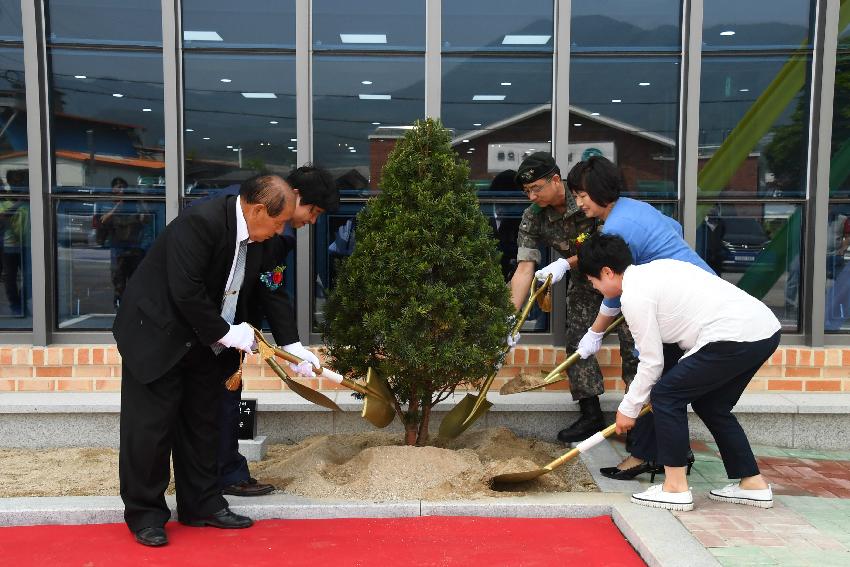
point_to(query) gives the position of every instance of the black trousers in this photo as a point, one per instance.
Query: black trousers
(232, 465)
(712, 381)
(640, 441)
(173, 416)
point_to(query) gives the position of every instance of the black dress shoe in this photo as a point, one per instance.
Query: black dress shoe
(631, 472)
(248, 487)
(224, 519)
(152, 537)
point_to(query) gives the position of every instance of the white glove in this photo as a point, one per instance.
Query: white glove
(239, 336)
(512, 340)
(590, 343)
(308, 360)
(558, 269)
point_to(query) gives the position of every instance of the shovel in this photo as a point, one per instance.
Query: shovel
(582, 447)
(517, 385)
(471, 407)
(378, 409)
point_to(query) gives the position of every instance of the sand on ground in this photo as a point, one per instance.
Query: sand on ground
(363, 466)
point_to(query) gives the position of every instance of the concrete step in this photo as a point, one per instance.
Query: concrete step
(55, 419)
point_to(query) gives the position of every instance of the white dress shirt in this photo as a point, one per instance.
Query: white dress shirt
(669, 301)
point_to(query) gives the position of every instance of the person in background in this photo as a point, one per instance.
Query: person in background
(726, 335)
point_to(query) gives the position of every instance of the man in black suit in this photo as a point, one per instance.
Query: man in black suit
(316, 193)
(181, 320)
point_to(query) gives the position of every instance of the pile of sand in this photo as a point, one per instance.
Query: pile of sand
(364, 466)
(523, 382)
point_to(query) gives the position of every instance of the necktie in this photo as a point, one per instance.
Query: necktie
(231, 294)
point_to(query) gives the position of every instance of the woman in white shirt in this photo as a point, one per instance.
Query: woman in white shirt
(726, 335)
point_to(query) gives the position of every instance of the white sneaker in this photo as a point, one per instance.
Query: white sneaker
(733, 493)
(655, 497)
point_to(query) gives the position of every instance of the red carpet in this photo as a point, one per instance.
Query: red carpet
(429, 540)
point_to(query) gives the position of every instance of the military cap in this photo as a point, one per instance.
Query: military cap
(534, 167)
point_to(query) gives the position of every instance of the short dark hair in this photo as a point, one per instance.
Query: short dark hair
(119, 181)
(267, 190)
(316, 186)
(604, 250)
(599, 178)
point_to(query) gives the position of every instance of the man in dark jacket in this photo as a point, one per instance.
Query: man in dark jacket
(181, 319)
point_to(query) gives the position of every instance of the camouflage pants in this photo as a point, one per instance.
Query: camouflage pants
(585, 375)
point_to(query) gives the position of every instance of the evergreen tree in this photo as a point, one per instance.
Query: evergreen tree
(422, 299)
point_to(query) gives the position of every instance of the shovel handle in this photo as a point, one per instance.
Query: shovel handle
(573, 358)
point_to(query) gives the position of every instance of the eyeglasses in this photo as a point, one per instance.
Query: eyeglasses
(536, 189)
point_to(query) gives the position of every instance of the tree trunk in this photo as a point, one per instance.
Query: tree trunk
(422, 438)
(410, 422)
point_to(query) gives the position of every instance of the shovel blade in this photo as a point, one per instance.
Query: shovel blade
(460, 417)
(510, 478)
(311, 395)
(376, 410)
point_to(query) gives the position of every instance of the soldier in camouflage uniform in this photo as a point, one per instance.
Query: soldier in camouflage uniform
(553, 219)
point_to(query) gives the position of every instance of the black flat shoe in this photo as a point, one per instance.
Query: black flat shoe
(152, 537)
(224, 519)
(630, 473)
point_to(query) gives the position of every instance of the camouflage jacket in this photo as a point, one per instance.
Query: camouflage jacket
(562, 231)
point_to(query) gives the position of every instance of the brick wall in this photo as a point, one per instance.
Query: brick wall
(98, 369)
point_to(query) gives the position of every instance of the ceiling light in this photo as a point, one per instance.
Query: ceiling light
(229, 147)
(526, 39)
(374, 96)
(259, 95)
(293, 139)
(236, 149)
(477, 124)
(226, 80)
(743, 90)
(616, 100)
(395, 127)
(594, 114)
(290, 147)
(506, 84)
(465, 141)
(201, 36)
(189, 130)
(80, 76)
(482, 97)
(644, 84)
(146, 110)
(117, 95)
(272, 121)
(365, 82)
(727, 32)
(363, 37)
(206, 138)
(576, 124)
(376, 123)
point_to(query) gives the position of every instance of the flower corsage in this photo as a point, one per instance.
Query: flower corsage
(274, 278)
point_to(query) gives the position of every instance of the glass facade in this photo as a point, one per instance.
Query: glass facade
(269, 85)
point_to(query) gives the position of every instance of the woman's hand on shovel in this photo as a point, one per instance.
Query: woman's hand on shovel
(624, 423)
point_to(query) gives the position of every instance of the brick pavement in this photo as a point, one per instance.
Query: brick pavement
(809, 524)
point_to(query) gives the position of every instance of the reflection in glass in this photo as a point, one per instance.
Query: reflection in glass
(373, 25)
(837, 316)
(249, 23)
(15, 259)
(10, 20)
(626, 25)
(757, 248)
(107, 117)
(757, 24)
(230, 136)
(355, 126)
(754, 119)
(99, 245)
(627, 110)
(117, 22)
(494, 134)
(839, 173)
(498, 25)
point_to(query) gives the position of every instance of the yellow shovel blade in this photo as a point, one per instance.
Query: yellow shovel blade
(305, 392)
(376, 410)
(463, 415)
